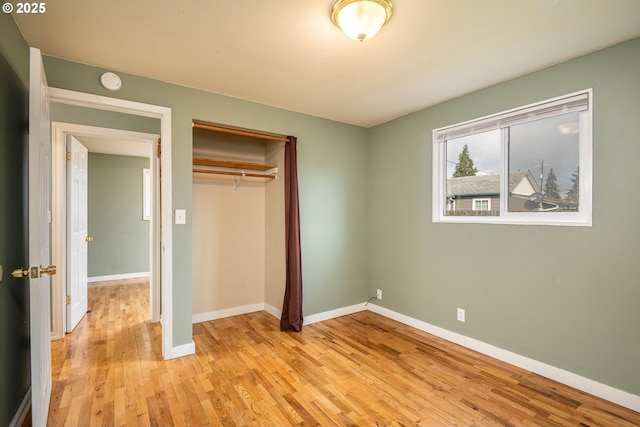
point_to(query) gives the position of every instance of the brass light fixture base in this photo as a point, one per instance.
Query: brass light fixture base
(361, 19)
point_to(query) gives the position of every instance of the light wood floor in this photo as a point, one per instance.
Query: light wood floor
(357, 370)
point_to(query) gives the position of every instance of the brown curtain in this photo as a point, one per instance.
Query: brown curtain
(291, 319)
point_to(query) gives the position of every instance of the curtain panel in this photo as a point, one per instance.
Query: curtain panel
(291, 319)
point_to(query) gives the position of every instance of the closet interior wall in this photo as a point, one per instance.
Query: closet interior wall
(238, 229)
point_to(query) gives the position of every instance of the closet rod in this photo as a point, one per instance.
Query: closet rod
(198, 125)
(254, 175)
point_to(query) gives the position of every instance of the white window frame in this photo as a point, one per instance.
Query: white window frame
(547, 108)
(481, 199)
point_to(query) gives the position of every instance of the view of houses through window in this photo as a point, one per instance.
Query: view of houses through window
(542, 163)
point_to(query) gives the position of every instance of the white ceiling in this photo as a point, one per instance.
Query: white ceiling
(288, 54)
(114, 146)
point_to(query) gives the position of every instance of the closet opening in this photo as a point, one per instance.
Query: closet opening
(239, 260)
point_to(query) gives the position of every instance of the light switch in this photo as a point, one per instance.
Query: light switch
(181, 216)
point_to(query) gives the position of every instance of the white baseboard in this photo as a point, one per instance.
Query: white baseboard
(118, 277)
(22, 411)
(235, 311)
(319, 317)
(204, 317)
(227, 312)
(183, 350)
(273, 311)
(579, 382)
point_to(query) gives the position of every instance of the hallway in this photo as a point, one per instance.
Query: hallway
(102, 370)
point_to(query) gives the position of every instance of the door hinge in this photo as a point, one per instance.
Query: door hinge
(68, 155)
(68, 299)
(158, 148)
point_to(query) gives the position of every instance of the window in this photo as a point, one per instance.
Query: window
(530, 165)
(481, 204)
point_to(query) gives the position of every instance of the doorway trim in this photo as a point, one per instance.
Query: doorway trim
(60, 132)
(165, 247)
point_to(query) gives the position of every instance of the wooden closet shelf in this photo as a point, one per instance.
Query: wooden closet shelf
(232, 164)
(239, 131)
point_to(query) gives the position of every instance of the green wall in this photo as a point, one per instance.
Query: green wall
(14, 48)
(566, 296)
(106, 119)
(120, 236)
(15, 351)
(332, 166)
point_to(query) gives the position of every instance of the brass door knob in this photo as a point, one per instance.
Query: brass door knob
(20, 272)
(51, 270)
(88, 239)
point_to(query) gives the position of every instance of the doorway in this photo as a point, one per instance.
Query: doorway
(163, 249)
(105, 141)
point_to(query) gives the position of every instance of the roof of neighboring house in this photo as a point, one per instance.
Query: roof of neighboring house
(487, 185)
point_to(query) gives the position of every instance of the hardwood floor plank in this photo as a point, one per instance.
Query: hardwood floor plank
(356, 370)
(107, 414)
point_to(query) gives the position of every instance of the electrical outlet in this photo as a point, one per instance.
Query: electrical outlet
(461, 315)
(379, 294)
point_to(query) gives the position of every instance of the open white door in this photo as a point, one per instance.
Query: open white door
(39, 229)
(77, 238)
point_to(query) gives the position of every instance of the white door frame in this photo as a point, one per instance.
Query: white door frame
(60, 133)
(63, 96)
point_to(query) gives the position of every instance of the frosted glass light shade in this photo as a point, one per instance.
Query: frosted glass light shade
(361, 19)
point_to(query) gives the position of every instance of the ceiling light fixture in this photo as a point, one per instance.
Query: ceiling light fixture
(361, 19)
